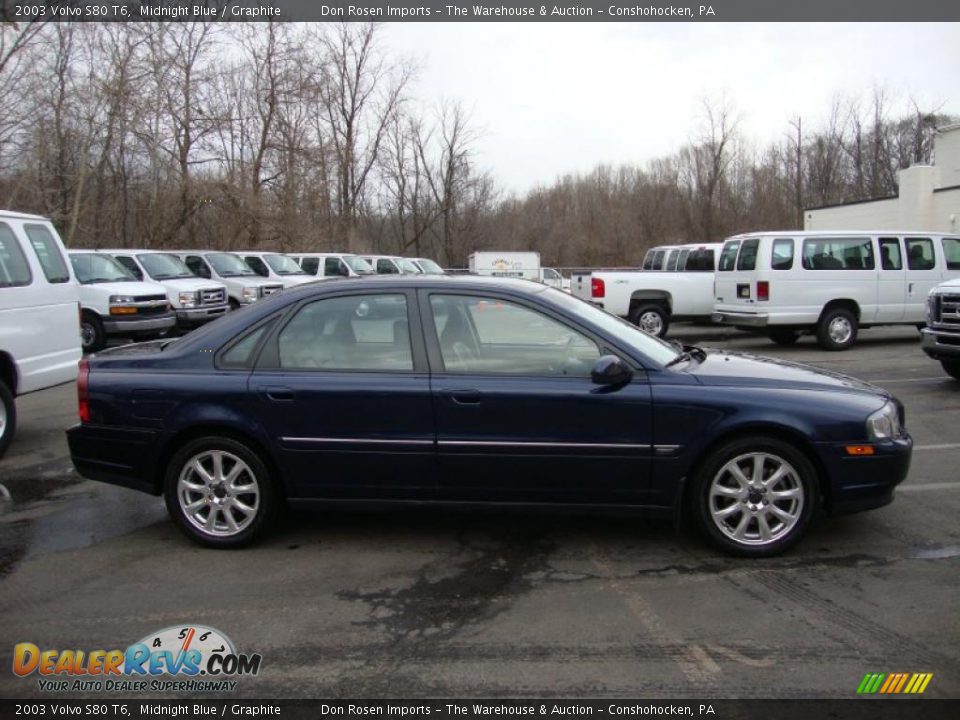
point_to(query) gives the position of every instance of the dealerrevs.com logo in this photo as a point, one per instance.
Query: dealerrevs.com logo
(182, 658)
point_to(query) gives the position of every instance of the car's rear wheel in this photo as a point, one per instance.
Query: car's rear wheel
(219, 492)
(837, 329)
(755, 496)
(951, 368)
(653, 319)
(8, 417)
(784, 337)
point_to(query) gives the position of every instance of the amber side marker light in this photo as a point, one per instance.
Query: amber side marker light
(859, 450)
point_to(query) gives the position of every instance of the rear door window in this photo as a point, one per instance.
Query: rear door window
(781, 257)
(728, 258)
(747, 259)
(14, 270)
(920, 254)
(48, 253)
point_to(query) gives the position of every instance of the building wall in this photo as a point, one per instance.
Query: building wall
(929, 198)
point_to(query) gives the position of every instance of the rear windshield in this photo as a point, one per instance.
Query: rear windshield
(951, 251)
(701, 260)
(728, 258)
(747, 259)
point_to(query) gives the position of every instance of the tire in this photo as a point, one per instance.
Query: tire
(92, 335)
(837, 329)
(732, 515)
(950, 367)
(252, 507)
(8, 418)
(234, 305)
(784, 337)
(651, 318)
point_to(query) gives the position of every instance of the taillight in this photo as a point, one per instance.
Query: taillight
(763, 290)
(598, 288)
(83, 390)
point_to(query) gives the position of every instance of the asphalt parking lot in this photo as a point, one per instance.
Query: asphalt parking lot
(490, 604)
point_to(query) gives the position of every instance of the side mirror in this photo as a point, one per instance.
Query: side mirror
(610, 370)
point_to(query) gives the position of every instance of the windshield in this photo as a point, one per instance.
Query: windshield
(229, 265)
(359, 265)
(653, 348)
(160, 266)
(283, 265)
(93, 268)
(430, 267)
(408, 268)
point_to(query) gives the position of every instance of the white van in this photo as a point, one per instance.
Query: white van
(392, 265)
(334, 265)
(195, 301)
(115, 304)
(830, 283)
(39, 314)
(243, 285)
(276, 267)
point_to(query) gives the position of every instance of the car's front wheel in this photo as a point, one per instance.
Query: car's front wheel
(755, 496)
(951, 368)
(219, 492)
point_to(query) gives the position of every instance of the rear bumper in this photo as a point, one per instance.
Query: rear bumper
(131, 453)
(725, 317)
(865, 482)
(157, 323)
(940, 344)
(192, 317)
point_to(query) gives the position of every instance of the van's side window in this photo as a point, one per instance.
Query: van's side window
(52, 262)
(672, 260)
(747, 260)
(130, 264)
(728, 257)
(331, 267)
(781, 257)
(682, 260)
(890, 257)
(951, 251)
(14, 270)
(197, 266)
(310, 265)
(838, 254)
(920, 254)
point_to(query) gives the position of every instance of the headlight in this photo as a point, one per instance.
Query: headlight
(189, 299)
(122, 299)
(884, 424)
(249, 294)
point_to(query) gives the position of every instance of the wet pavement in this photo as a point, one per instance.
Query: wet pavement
(493, 603)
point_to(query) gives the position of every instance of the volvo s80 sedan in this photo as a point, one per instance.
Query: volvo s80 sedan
(478, 390)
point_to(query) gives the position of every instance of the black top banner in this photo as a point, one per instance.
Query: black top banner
(484, 11)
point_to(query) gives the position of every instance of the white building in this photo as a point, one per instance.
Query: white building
(929, 197)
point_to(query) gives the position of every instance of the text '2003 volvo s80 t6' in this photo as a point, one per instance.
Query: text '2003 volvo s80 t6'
(466, 390)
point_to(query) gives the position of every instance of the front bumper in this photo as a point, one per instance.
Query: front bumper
(135, 325)
(860, 483)
(191, 317)
(132, 456)
(738, 319)
(940, 344)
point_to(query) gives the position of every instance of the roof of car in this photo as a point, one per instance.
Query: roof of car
(135, 251)
(452, 282)
(21, 216)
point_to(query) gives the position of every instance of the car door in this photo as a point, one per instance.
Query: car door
(923, 274)
(518, 417)
(342, 388)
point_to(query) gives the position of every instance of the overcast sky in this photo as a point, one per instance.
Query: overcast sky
(553, 98)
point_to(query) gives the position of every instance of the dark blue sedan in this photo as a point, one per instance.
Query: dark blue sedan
(466, 389)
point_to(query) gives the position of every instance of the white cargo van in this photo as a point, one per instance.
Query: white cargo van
(244, 286)
(276, 267)
(115, 304)
(39, 314)
(195, 301)
(334, 265)
(830, 283)
(428, 266)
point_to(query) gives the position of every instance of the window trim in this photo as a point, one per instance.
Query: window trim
(56, 246)
(435, 354)
(270, 350)
(26, 261)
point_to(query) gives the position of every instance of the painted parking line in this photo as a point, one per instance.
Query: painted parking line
(929, 486)
(941, 446)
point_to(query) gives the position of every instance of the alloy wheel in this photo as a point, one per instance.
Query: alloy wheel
(218, 493)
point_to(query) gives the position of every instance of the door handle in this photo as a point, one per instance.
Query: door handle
(277, 393)
(466, 397)
(910, 288)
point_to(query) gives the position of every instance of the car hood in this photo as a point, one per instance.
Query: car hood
(133, 288)
(190, 284)
(740, 369)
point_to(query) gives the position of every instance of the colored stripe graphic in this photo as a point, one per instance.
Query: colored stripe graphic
(894, 683)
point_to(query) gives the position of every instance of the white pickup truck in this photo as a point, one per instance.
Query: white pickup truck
(652, 300)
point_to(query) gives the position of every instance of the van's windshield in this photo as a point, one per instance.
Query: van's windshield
(92, 268)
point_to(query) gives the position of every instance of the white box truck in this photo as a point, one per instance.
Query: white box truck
(524, 265)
